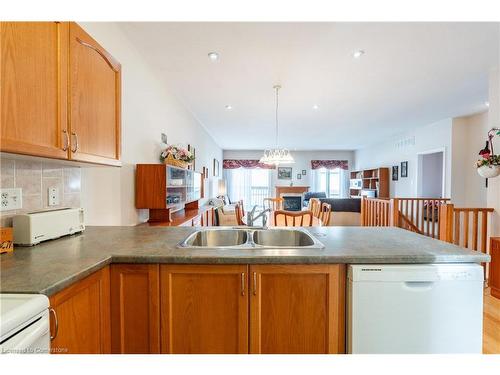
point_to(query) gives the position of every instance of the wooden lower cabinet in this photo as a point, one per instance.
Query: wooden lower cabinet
(297, 309)
(204, 308)
(135, 308)
(151, 308)
(83, 319)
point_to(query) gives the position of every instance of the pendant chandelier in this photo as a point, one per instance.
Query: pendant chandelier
(277, 155)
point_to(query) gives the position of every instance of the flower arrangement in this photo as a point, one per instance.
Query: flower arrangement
(177, 155)
(491, 160)
(489, 164)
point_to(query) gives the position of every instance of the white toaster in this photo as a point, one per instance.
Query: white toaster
(35, 227)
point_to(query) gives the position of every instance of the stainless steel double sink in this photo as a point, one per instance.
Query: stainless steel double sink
(250, 238)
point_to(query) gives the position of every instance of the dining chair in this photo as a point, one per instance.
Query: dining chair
(242, 207)
(293, 218)
(273, 204)
(314, 206)
(238, 211)
(208, 218)
(324, 213)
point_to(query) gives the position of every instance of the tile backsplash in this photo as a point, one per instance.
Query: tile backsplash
(35, 178)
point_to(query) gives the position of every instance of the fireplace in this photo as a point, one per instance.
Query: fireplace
(292, 202)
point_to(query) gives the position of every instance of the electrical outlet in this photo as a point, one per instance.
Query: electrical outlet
(53, 196)
(11, 199)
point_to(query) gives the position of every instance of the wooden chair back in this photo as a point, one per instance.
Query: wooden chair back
(293, 218)
(238, 211)
(208, 218)
(324, 213)
(314, 206)
(242, 207)
(274, 204)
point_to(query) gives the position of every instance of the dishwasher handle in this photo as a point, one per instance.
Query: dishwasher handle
(419, 285)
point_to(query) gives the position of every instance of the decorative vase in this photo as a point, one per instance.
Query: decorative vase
(489, 171)
(175, 162)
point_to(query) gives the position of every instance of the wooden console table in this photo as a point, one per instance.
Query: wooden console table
(291, 189)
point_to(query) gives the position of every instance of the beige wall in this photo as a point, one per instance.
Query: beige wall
(406, 147)
(493, 194)
(468, 189)
(148, 109)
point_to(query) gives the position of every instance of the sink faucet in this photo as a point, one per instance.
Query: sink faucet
(251, 218)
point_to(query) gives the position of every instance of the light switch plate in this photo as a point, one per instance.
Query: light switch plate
(11, 199)
(53, 198)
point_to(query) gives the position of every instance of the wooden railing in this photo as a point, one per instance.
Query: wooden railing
(458, 228)
(432, 217)
(420, 214)
(375, 212)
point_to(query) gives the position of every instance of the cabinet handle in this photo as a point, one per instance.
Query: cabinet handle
(56, 323)
(255, 283)
(73, 134)
(243, 283)
(66, 140)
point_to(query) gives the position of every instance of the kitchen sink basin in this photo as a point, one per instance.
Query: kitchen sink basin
(250, 238)
(283, 238)
(217, 238)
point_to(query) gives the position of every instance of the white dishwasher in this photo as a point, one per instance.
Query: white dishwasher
(24, 324)
(428, 308)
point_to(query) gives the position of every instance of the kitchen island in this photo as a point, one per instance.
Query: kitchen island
(131, 289)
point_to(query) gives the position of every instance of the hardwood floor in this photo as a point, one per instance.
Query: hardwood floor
(491, 324)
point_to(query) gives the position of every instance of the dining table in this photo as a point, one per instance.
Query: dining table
(281, 220)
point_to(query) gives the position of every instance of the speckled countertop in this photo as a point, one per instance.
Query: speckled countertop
(51, 266)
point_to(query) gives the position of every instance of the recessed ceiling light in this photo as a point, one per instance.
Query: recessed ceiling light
(357, 54)
(487, 104)
(229, 107)
(214, 56)
(315, 106)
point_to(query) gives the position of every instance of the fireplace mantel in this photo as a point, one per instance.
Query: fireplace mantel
(290, 189)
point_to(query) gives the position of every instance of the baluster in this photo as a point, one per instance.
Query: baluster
(411, 210)
(484, 230)
(427, 232)
(475, 227)
(417, 215)
(457, 228)
(466, 228)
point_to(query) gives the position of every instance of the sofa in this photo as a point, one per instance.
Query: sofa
(345, 211)
(312, 194)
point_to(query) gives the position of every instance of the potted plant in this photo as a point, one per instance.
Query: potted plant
(489, 167)
(176, 156)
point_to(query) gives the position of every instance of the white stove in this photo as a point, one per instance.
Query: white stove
(24, 324)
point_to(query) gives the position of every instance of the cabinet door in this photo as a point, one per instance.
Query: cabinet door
(297, 309)
(135, 308)
(94, 100)
(204, 309)
(33, 73)
(83, 321)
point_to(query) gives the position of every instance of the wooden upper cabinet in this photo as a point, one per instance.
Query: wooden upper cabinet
(204, 309)
(33, 97)
(83, 316)
(135, 308)
(297, 309)
(95, 100)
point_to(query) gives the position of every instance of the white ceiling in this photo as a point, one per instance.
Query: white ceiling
(412, 74)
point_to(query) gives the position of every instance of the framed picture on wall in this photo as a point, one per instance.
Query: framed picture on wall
(404, 169)
(216, 168)
(299, 176)
(395, 172)
(304, 172)
(284, 173)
